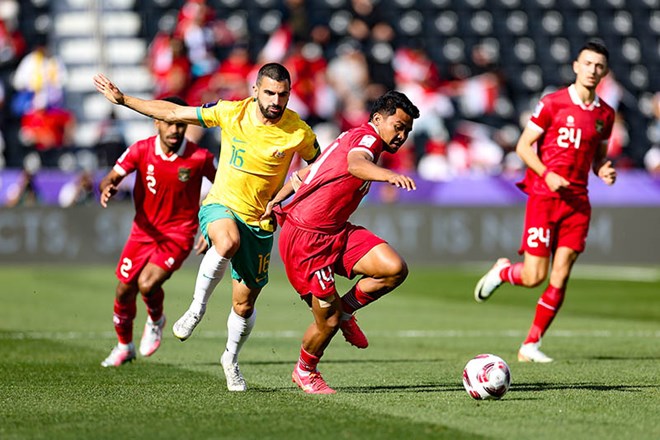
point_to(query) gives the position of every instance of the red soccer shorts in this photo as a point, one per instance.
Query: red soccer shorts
(554, 222)
(136, 254)
(312, 259)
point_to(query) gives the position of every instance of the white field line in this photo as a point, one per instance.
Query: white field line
(403, 334)
(621, 273)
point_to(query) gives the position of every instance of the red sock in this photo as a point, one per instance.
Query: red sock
(355, 299)
(154, 304)
(308, 361)
(123, 319)
(546, 310)
(512, 274)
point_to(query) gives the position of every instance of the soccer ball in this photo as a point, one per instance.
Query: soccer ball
(486, 376)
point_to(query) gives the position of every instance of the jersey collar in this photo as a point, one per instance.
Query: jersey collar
(572, 92)
(159, 150)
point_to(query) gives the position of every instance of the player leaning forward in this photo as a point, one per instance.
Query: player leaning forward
(259, 139)
(570, 128)
(317, 241)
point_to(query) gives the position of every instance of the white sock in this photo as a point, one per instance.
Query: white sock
(211, 270)
(238, 331)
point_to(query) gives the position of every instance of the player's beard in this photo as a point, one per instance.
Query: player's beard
(268, 114)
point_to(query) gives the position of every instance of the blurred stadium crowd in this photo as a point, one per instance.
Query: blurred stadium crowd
(475, 68)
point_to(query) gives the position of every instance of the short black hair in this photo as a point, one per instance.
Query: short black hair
(175, 100)
(274, 71)
(388, 103)
(597, 46)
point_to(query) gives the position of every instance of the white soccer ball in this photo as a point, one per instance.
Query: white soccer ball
(486, 376)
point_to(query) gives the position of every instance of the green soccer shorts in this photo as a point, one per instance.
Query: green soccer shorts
(250, 263)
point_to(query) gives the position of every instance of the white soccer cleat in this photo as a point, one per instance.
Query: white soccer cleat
(151, 336)
(184, 327)
(235, 380)
(119, 356)
(490, 281)
(530, 353)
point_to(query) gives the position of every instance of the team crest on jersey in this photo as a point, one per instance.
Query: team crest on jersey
(279, 154)
(184, 174)
(599, 125)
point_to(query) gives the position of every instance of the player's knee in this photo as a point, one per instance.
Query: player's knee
(226, 244)
(148, 284)
(395, 272)
(243, 309)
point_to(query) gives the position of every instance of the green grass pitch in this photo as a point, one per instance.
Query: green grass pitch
(56, 327)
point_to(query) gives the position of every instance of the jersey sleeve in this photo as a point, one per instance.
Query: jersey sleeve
(311, 148)
(367, 142)
(608, 126)
(542, 116)
(129, 160)
(212, 114)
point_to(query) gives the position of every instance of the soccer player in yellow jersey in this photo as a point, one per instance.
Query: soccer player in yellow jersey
(259, 139)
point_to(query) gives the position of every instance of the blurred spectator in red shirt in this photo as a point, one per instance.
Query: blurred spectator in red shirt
(12, 43)
(196, 29)
(169, 65)
(47, 131)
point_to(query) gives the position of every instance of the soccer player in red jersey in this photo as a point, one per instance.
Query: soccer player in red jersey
(570, 129)
(317, 242)
(168, 179)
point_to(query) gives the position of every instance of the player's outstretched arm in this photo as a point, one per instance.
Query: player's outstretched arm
(154, 108)
(361, 166)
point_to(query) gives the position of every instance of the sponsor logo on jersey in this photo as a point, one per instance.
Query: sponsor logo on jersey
(209, 104)
(570, 121)
(279, 154)
(237, 140)
(367, 140)
(599, 125)
(184, 174)
(169, 262)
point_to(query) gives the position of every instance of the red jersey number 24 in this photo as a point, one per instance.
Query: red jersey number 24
(569, 136)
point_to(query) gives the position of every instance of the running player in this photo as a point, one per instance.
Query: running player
(168, 179)
(570, 129)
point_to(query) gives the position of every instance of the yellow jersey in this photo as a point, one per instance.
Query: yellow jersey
(254, 158)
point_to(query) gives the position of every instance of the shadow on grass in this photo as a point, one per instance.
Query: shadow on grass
(624, 358)
(539, 386)
(454, 387)
(336, 361)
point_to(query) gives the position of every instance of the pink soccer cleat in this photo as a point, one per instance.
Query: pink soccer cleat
(352, 333)
(312, 383)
